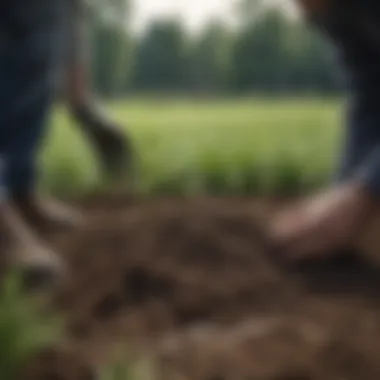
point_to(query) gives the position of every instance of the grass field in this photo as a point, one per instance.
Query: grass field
(221, 146)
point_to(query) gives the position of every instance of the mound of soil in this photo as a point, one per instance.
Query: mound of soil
(193, 284)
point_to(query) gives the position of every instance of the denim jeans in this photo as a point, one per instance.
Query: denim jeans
(360, 157)
(31, 48)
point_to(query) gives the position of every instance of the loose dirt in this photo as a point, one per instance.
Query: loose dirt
(192, 285)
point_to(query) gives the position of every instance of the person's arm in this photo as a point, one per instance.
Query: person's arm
(109, 139)
(369, 171)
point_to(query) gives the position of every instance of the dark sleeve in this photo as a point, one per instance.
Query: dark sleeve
(373, 7)
(369, 76)
(369, 173)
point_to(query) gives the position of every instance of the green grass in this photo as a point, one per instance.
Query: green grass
(24, 329)
(27, 329)
(244, 146)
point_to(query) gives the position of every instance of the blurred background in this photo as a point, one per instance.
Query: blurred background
(215, 48)
(232, 96)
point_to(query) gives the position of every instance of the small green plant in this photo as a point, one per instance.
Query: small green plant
(23, 328)
(129, 370)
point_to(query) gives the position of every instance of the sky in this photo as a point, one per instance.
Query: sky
(194, 12)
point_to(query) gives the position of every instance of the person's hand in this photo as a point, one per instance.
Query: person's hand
(109, 139)
(318, 226)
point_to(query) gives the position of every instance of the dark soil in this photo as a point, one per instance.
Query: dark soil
(194, 285)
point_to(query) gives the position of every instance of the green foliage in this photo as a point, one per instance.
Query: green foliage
(248, 11)
(111, 46)
(210, 59)
(23, 329)
(110, 56)
(117, 372)
(260, 53)
(267, 53)
(111, 11)
(123, 369)
(160, 57)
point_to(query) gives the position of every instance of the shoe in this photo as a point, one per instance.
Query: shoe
(40, 268)
(45, 216)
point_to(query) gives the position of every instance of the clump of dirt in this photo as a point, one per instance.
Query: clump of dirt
(194, 283)
(186, 262)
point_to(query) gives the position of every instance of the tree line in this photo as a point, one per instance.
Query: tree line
(268, 53)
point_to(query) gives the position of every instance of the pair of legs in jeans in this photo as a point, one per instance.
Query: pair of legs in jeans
(39, 41)
(31, 50)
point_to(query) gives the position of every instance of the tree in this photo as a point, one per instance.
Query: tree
(111, 45)
(311, 65)
(260, 55)
(160, 57)
(211, 58)
(115, 12)
(248, 11)
(268, 52)
(274, 53)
